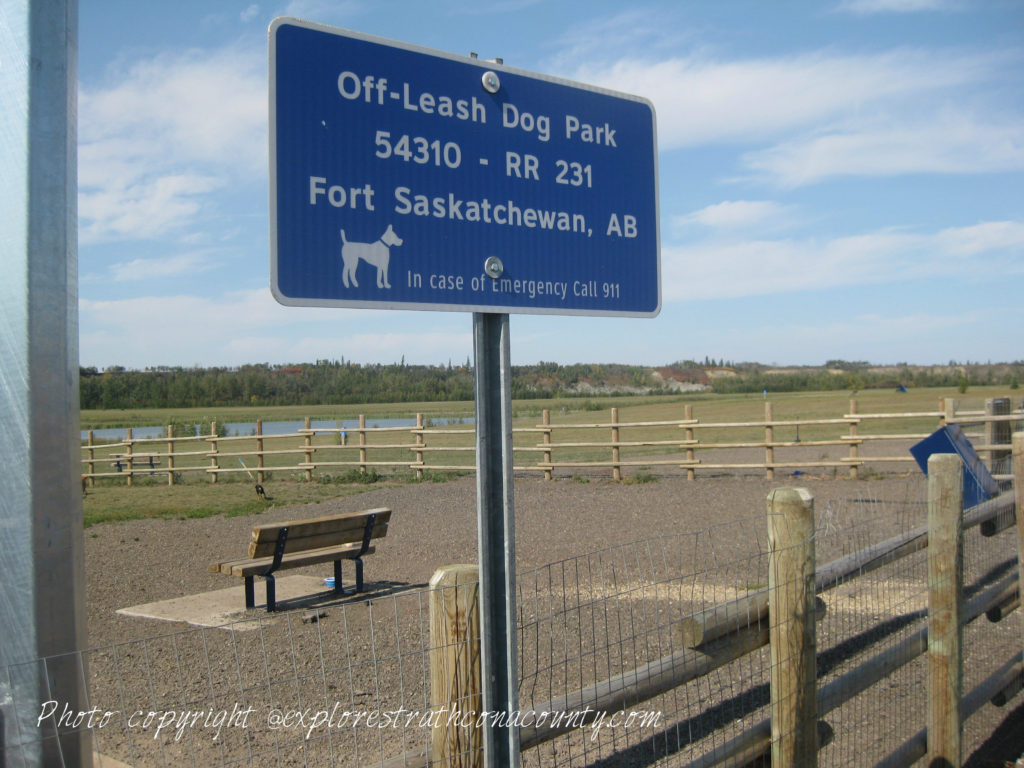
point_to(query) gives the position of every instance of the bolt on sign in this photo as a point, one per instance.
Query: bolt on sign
(407, 178)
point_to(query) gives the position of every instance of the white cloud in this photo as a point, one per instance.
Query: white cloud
(156, 268)
(702, 101)
(896, 112)
(141, 207)
(163, 134)
(246, 326)
(873, 328)
(328, 11)
(494, 7)
(949, 144)
(250, 13)
(738, 214)
(712, 270)
(629, 30)
(253, 310)
(982, 238)
(207, 106)
(867, 7)
(880, 337)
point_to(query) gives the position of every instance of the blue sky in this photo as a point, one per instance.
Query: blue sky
(838, 179)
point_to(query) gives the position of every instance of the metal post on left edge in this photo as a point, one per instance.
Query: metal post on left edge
(43, 607)
(496, 533)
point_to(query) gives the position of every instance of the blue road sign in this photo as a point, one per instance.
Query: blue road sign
(407, 178)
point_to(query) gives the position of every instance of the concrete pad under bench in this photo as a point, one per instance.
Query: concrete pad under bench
(223, 606)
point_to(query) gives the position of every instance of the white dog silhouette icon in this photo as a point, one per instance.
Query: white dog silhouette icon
(377, 253)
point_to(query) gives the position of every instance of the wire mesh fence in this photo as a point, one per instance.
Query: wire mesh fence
(287, 689)
(625, 656)
(615, 614)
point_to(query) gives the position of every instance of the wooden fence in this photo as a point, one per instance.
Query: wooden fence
(794, 732)
(847, 443)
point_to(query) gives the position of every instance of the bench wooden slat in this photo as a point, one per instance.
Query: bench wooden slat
(313, 525)
(318, 541)
(256, 566)
(317, 533)
(321, 523)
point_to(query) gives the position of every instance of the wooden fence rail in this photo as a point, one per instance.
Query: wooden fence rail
(783, 617)
(838, 443)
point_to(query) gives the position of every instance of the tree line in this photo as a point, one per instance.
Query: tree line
(842, 375)
(338, 382)
(333, 382)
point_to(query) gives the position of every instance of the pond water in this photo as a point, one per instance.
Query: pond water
(241, 429)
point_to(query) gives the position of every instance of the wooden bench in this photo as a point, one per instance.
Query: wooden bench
(135, 461)
(298, 543)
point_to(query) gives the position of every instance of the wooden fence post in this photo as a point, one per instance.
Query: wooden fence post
(616, 467)
(997, 432)
(420, 442)
(170, 454)
(791, 632)
(948, 410)
(213, 452)
(945, 634)
(456, 687)
(690, 454)
(769, 451)
(259, 451)
(854, 446)
(129, 449)
(546, 421)
(362, 443)
(307, 443)
(92, 461)
(1018, 490)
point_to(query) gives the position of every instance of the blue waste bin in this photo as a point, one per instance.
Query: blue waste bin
(979, 485)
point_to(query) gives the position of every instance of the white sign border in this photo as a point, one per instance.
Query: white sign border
(483, 65)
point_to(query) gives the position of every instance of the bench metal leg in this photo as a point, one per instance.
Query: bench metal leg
(271, 593)
(359, 574)
(337, 578)
(250, 594)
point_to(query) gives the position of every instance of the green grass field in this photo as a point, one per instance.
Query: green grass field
(653, 407)
(139, 417)
(146, 498)
(193, 495)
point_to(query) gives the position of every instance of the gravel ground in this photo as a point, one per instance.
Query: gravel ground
(433, 524)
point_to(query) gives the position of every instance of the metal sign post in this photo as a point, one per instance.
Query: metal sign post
(496, 533)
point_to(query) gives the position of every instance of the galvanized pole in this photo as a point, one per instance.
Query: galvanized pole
(496, 534)
(42, 605)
